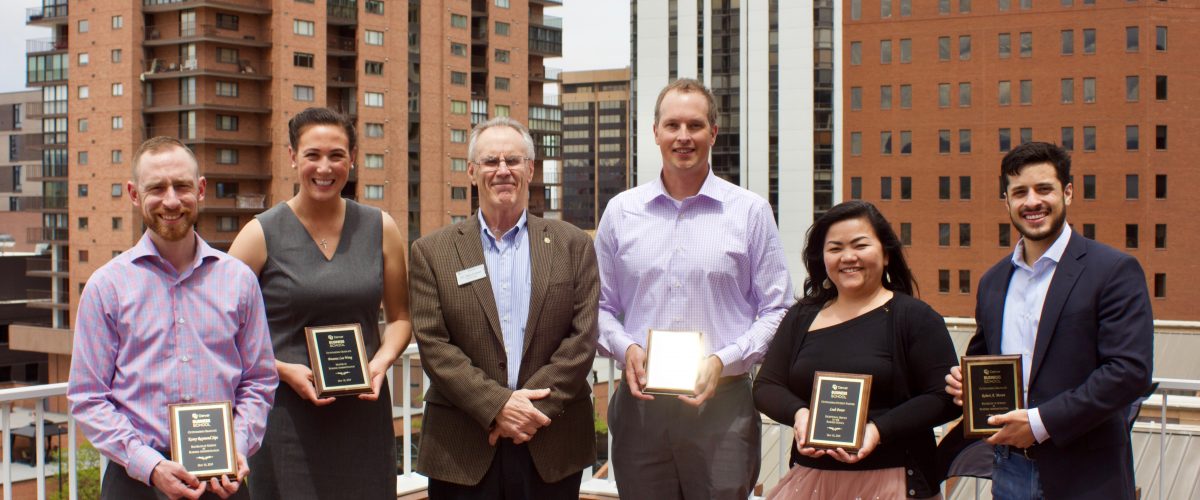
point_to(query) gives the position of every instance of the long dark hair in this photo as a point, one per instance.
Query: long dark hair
(897, 276)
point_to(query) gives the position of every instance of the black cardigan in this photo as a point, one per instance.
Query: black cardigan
(920, 367)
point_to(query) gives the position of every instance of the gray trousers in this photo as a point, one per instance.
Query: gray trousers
(664, 449)
(117, 485)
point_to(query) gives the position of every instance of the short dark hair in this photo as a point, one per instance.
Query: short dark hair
(683, 86)
(1033, 153)
(160, 144)
(320, 116)
(897, 276)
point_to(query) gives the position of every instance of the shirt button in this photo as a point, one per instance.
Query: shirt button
(187, 398)
(910, 472)
(185, 358)
(180, 321)
(912, 492)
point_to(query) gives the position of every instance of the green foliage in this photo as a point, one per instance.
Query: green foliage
(87, 469)
(601, 427)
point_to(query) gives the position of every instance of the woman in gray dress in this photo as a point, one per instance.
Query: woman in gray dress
(325, 260)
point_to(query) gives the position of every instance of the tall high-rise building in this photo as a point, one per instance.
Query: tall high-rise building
(937, 92)
(596, 158)
(770, 65)
(225, 77)
(20, 169)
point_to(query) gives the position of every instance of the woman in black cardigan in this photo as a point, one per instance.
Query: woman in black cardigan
(858, 315)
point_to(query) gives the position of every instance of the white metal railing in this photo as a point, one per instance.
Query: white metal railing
(40, 394)
(408, 481)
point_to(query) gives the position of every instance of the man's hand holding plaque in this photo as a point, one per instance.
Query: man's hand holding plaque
(202, 446)
(674, 362)
(339, 360)
(991, 386)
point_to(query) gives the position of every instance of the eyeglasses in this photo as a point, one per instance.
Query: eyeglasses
(493, 162)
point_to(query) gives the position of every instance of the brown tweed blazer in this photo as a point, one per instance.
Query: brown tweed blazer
(462, 350)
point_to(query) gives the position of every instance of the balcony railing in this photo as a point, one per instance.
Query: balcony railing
(342, 75)
(45, 13)
(343, 43)
(244, 136)
(548, 21)
(40, 203)
(39, 109)
(45, 45)
(177, 31)
(46, 265)
(247, 67)
(248, 100)
(59, 296)
(248, 6)
(47, 172)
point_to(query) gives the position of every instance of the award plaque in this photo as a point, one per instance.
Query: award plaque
(837, 414)
(202, 439)
(673, 362)
(339, 360)
(991, 385)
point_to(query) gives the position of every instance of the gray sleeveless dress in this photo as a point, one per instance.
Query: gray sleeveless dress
(346, 449)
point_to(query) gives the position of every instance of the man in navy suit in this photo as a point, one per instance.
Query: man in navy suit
(1078, 313)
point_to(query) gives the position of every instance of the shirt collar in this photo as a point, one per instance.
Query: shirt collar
(1053, 254)
(522, 223)
(145, 249)
(714, 188)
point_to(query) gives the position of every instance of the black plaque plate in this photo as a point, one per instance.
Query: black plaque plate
(992, 385)
(202, 439)
(339, 360)
(837, 413)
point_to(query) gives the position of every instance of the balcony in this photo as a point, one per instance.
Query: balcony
(40, 109)
(45, 76)
(47, 234)
(243, 69)
(342, 12)
(546, 3)
(243, 6)
(180, 33)
(43, 204)
(172, 102)
(209, 135)
(46, 172)
(45, 45)
(242, 204)
(341, 45)
(545, 75)
(342, 77)
(45, 267)
(545, 36)
(47, 15)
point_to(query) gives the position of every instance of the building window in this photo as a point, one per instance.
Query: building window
(373, 99)
(84, 58)
(1026, 92)
(373, 192)
(501, 55)
(906, 97)
(1004, 92)
(885, 188)
(943, 234)
(1131, 137)
(84, 26)
(944, 280)
(855, 143)
(227, 21)
(964, 140)
(118, 123)
(458, 193)
(1131, 88)
(1131, 236)
(82, 158)
(1068, 42)
(1068, 138)
(227, 156)
(855, 98)
(944, 141)
(964, 187)
(227, 89)
(303, 28)
(83, 92)
(943, 6)
(905, 50)
(458, 164)
(1131, 186)
(1005, 141)
(964, 94)
(83, 256)
(115, 55)
(964, 281)
(1089, 41)
(83, 223)
(227, 55)
(1131, 38)
(906, 188)
(944, 187)
(1089, 231)
(1068, 90)
(302, 59)
(1160, 285)
(1004, 45)
(372, 37)
(458, 78)
(1160, 186)
(117, 222)
(458, 136)
(227, 223)
(1160, 236)
(82, 190)
(885, 97)
(1026, 135)
(964, 6)
(1160, 87)
(82, 124)
(504, 110)
(885, 52)
(885, 142)
(906, 234)
(943, 95)
(1160, 137)
(1026, 44)
(303, 93)
(944, 48)
(964, 235)
(1160, 38)
(855, 53)
(855, 9)
(374, 6)
(118, 22)
(501, 83)
(373, 130)
(1089, 90)
(1005, 235)
(458, 107)
(964, 48)
(373, 68)
(502, 28)
(373, 161)
(856, 188)
(885, 8)
(905, 142)
(1089, 138)
(458, 21)
(503, 4)
(1089, 187)
(458, 49)
(227, 123)
(116, 190)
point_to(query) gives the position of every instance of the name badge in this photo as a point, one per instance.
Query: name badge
(471, 274)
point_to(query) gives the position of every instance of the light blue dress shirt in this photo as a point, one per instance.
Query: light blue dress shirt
(508, 268)
(1023, 311)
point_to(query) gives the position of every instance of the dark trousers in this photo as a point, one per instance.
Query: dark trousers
(512, 476)
(117, 485)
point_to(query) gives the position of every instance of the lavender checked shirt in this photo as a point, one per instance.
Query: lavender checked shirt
(146, 337)
(712, 262)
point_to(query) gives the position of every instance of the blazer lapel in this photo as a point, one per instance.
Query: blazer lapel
(1066, 273)
(541, 261)
(470, 254)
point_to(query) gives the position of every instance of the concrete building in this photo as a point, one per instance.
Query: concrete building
(770, 64)
(226, 76)
(20, 189)
(596, 146)
(936, 93)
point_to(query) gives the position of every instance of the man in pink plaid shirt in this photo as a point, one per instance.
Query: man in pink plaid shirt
(171, 320)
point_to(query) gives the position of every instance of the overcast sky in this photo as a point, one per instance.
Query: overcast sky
(595, 36)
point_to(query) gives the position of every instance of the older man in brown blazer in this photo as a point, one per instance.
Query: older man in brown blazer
(504, 308)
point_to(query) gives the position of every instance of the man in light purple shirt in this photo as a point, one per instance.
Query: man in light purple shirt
(171, 320)
(689, 251)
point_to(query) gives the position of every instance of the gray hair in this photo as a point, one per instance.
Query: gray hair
(500, 121)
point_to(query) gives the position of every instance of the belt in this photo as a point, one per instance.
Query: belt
(1025, 452)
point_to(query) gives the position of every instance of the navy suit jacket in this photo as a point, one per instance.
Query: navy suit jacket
(1093, 357)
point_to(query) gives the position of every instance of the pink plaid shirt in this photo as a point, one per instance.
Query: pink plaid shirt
(712, 262)
(146, 337)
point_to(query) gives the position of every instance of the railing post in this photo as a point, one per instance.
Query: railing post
(406, 397)
(72, 456)
(39, 442)
(5, 414)
(612, 372)
(1162, 445)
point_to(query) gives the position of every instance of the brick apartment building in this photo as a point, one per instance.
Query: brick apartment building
(226, 75)
(935, 92)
